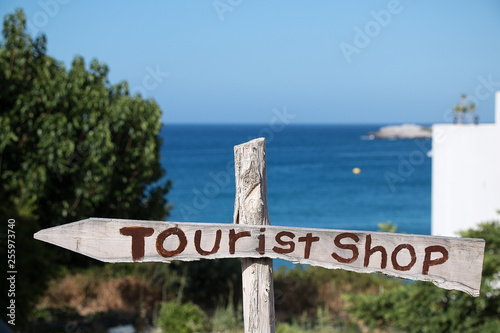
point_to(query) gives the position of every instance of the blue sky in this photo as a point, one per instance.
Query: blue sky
(235, 61)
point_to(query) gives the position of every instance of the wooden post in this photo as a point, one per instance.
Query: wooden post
(250, 207)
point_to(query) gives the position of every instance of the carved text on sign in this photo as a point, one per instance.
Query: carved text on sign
(285, 242)
(449, 262)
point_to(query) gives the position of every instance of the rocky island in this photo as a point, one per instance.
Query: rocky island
(405, 131)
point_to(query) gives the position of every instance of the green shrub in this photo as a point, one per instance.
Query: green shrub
(227, 319)
(288, 328)
(46, 314)
(422, 307)
(182, 318)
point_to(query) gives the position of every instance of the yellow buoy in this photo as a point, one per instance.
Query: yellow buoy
(356, 171)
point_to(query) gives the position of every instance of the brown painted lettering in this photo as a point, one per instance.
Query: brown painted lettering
(234, 236)
(197, 243)
(308, 239)
(163, 235)
(369, 251)
(138, 234)
(280, 241)
(428, 253)
(352, 247)
(262, 242)
(394, 257)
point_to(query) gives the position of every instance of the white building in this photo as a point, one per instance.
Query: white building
(465, 175)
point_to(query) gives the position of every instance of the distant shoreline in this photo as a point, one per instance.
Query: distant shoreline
(291, 124)
(405, 131)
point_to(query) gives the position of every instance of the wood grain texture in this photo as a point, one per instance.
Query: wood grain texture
(335, 249)
(250, 208)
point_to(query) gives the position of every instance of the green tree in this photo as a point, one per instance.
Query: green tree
(72, 146)
(461, 109)
(422, 307)
(472, 108)
(457, 109)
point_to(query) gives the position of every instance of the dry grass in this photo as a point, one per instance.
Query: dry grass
(87, 295)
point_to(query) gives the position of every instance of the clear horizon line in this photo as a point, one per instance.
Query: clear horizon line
(295, 123)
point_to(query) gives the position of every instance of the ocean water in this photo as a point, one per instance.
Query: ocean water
(310, 177)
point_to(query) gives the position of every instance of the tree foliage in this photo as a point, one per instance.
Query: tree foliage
(461, 109)
(422, 307)
(72, 145)
(182, 318)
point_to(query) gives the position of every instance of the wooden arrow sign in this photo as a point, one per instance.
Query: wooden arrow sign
(448, 262)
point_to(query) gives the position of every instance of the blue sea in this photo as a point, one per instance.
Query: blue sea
(310, 178)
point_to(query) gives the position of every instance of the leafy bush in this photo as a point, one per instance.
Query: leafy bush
(302, 290)
(182, 318)
(422, 307)
(227, 319)
(52, 313)
(288, 328)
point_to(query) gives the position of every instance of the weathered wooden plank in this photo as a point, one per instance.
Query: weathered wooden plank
(250, 208)
(449, 262)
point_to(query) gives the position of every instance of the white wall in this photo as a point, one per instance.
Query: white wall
(465, 175)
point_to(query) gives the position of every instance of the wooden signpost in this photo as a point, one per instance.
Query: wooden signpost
(448, 262)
